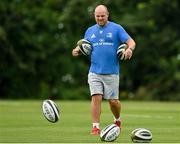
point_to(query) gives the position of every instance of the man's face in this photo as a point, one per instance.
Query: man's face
(101, 16)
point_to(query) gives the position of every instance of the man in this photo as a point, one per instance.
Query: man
(103, 78)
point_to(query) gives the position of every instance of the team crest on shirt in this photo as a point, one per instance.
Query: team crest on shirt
(101, 32)
(109, 35)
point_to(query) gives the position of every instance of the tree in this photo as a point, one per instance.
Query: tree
(36, 39)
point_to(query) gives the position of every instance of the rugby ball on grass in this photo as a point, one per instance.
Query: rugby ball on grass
(110, 133)
(141, 135)
(85, 47)
(50, 111)
(120, 52)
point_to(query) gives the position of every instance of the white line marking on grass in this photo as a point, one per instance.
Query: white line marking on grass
(148, 116)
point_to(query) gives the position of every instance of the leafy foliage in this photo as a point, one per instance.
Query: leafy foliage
(36, 39)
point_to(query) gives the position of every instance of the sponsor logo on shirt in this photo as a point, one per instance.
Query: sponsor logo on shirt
(101, 40)
(103, 43)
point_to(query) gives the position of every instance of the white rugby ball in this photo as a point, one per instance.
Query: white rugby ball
(50, 111)
(141, 135)
(120, 52)
(110, 133)
(85, 47)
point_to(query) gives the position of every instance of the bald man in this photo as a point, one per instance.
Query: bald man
(103, 78)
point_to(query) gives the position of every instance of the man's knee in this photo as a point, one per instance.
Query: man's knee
(97, 98)
(114, 102)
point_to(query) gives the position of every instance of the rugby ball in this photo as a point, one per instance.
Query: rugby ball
(110, 133)
(141, 135)
(50, 111)
(121, 49)
(85, 47)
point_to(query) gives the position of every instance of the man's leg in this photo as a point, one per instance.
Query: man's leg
(96, 112)
(115, 106)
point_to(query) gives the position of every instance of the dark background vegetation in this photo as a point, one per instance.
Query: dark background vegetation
(37, 37)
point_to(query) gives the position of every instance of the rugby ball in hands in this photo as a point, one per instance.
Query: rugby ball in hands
(50, 111)
(85, 47)
(141, 135)
(110, 133)
(121, 49)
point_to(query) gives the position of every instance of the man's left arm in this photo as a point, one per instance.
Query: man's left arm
(131, 47)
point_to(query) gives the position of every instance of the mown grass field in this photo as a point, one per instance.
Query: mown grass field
(23, 122)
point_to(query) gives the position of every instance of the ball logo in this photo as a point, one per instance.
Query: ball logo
(50, 111)
(110, 133)
(84, 47)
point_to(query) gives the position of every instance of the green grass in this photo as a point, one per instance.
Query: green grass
(22, 121)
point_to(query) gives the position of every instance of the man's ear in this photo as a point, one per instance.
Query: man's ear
(108, 15)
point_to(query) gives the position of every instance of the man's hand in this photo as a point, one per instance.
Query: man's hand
(76, 51)
(128, 53)
(131, 46)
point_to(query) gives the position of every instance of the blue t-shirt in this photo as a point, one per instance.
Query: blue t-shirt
(105, 41)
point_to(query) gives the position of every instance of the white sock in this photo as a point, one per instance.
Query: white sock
(117, 119)
(96, 125)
